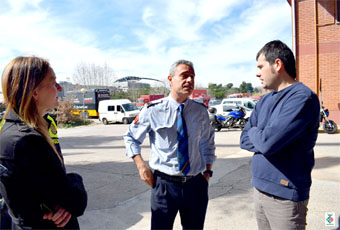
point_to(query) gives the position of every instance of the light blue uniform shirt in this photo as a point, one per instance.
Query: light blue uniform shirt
(159, 121)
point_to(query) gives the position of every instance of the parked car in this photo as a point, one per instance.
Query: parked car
(245, 102)
(2, 115)
(214, 102)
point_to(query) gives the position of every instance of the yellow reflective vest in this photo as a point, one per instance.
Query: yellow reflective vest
(53, 130)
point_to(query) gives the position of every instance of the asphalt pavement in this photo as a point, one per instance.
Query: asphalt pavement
(118, 199)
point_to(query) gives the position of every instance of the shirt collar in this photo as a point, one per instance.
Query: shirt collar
(174, 104)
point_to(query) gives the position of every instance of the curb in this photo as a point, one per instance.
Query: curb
(323, 131)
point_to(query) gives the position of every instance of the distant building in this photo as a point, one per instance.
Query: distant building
(131, 85)
(316, 44)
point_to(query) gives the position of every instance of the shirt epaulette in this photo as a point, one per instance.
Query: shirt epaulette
(150, 104)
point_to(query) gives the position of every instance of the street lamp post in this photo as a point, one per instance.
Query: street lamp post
(83, 91)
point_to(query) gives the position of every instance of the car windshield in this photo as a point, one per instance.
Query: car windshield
(249, 105)
(129, 107)
(214, 102)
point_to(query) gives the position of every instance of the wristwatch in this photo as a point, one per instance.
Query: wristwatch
(209, 172)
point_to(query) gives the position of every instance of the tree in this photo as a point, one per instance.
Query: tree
(243, 87)
(218, 91)
(64, 113)
(258, 89)
(250, 88)
(233, 90)
(90, 74)
(229, 85)
(160, 90)
(246, 88)
(144, 91)
(211, 89)
(121, 95)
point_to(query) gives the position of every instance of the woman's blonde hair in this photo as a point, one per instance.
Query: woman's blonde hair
(19, 80)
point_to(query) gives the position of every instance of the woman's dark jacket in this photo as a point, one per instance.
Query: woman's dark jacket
(36, 177)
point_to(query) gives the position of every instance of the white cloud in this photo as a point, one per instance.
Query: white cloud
(18, 5)
(221, 45)
(230, 55)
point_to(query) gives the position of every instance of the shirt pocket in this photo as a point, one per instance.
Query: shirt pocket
(165, 138)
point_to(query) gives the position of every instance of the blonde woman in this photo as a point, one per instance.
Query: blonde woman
(36, 188)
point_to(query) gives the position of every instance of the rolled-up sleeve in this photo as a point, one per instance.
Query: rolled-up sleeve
(136, 133)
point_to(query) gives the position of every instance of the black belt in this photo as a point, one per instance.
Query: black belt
(176, 179)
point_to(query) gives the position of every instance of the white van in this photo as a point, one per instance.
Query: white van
(117, 110)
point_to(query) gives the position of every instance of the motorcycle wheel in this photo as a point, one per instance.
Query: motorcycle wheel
(217, 127)
(229, 122)
(330, 127)
(242, 124)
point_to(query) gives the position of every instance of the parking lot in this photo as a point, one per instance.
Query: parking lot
(119, 200)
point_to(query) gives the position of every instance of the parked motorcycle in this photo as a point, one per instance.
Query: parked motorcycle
(329, 126)
(235, 119)
(214, 121)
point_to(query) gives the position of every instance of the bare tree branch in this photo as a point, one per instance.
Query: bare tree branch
(90, 74)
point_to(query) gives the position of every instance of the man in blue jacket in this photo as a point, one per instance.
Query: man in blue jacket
(282, 132)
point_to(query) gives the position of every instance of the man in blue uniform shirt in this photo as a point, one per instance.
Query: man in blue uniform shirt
(282, 132)
(182, 152)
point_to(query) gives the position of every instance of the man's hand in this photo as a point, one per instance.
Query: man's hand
(145, 172)
(146, 175)
(61, 217)
(206, 176)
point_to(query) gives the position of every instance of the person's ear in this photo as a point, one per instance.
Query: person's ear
(278, 64)
(35, 94)
(170, 79)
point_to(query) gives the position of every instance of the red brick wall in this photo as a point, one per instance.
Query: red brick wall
(328, 51)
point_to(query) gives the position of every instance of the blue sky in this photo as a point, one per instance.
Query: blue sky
(143, 38)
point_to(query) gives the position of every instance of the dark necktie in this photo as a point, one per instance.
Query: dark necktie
(183, 142)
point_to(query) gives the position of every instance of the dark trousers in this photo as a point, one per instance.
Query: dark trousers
(5, 219)
(189, 198)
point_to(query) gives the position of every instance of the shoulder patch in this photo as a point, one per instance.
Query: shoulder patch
(136, 119)
(150, 104)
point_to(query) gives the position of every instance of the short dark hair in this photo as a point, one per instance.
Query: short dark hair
(277, 49)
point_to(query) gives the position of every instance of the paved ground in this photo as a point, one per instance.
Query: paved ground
(119, 200)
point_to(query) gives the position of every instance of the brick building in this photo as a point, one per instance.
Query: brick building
(316, 44)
